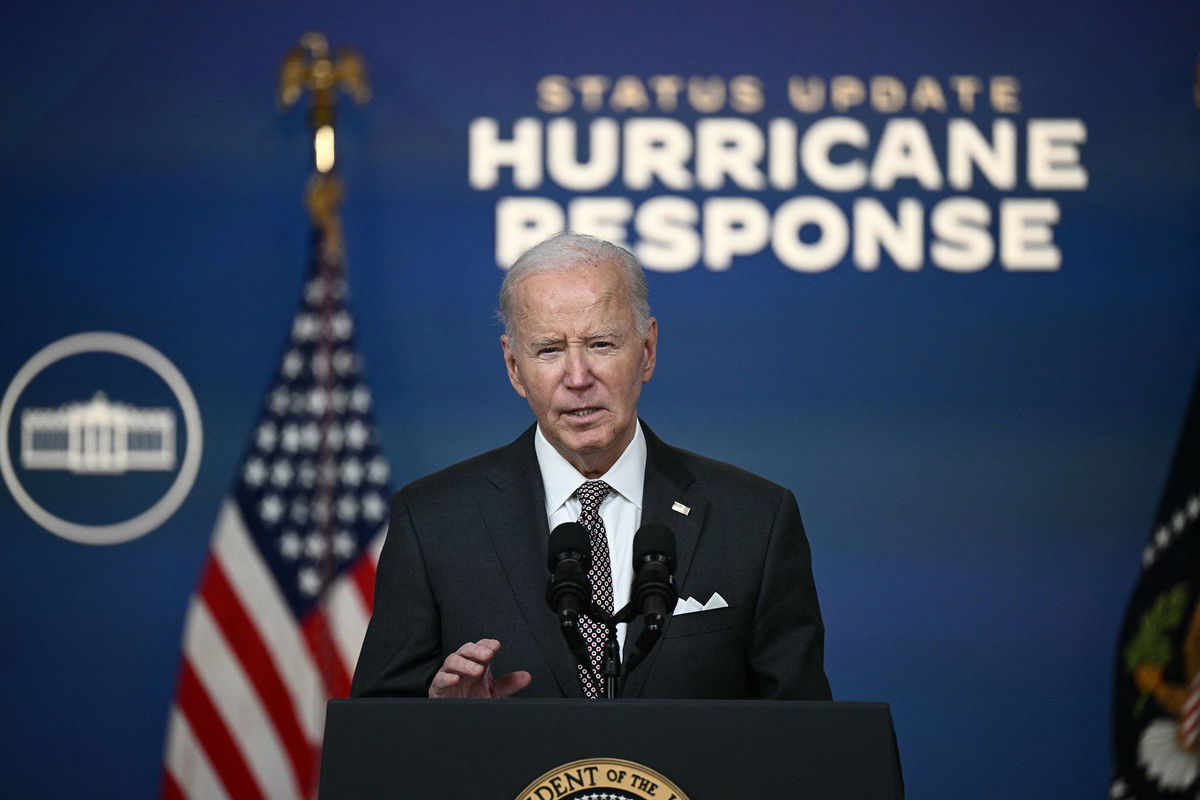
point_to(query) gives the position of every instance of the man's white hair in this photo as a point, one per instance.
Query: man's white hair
(567, 250)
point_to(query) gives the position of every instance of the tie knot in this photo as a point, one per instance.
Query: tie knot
(591, 494)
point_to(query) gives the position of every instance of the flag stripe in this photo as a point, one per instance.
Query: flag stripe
(375, 548)
(187, 765)
(317, 635)
(257, 593)
(364, 581)
(259, 667)
(239, 706)
(223, 752)
(347, 618)
(171, 790)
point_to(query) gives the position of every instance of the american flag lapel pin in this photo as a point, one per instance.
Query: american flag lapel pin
(681, 508)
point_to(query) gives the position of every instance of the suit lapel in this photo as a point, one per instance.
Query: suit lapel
(668, 481)
(516, 521)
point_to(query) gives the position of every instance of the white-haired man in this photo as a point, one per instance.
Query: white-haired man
(460, 606)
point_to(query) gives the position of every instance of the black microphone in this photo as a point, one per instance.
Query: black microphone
(653, 567)
(568, 557)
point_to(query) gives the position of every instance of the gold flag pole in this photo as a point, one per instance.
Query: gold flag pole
(310, 67)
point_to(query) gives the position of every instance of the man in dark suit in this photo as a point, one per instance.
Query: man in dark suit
(459, 598)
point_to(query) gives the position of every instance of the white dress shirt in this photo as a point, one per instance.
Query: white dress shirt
(621, 510)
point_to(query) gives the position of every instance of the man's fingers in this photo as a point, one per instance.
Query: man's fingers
(465, 673)
(482, 651)
(511, 683)
(463, 666)
(441, 683)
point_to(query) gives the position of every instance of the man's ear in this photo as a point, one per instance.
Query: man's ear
(510, 363)
(649, 350)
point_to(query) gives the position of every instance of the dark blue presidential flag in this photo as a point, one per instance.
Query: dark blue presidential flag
(1157, 704)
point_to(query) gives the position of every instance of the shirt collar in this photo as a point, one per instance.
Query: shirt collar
(560, 479)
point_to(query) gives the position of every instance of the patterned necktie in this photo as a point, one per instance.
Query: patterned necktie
(595, 634)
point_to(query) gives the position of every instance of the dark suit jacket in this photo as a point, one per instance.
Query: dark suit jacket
(465, 559)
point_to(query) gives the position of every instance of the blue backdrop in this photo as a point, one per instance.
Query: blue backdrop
(977, 454)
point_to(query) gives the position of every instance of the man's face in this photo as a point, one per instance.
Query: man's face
(576, 356)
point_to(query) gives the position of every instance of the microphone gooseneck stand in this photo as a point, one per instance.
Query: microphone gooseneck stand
(653, 594)
(614, 671)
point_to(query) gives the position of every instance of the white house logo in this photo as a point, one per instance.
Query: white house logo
(98, 437)
(101, 437)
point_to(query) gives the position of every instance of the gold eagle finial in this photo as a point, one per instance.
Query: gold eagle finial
(309, 67)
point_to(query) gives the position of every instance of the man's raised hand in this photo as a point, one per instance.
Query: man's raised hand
(467, 672)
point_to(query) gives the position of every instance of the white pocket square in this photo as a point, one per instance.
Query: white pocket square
(692, 605)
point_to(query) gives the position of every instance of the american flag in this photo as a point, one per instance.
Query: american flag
(275, 626)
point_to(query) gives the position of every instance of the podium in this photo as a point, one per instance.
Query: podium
(409, 749)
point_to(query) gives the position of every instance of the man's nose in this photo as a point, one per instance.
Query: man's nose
(577, 369)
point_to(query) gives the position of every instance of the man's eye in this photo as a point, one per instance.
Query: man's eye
(602, 345)
(548, 351)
